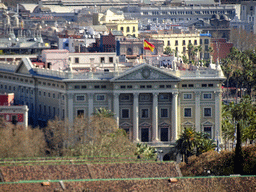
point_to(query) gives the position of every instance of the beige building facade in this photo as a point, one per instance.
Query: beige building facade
(153, 105)
(179, 42)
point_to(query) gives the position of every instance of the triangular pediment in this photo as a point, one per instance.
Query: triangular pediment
(126, 124)
(145, 72)
(25, 67)
(207, 123)
(164, 124)
(145, 124)
(188, 123)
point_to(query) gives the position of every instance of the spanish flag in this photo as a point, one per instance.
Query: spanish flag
(148, 46)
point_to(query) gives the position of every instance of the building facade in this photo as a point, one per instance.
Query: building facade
(153, 105)
(179, 42)
(115, 20)
(177, 14)
(15, 114)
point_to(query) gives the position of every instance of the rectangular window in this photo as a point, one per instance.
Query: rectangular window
(176, 43)
(96, 86)
(206, 41)
(77, 87)
(111, 60)
(208, 130)
(133, 29)
(207, 95)
(142, 86)
(168, 86)
(204, 85)
(183, 42)
(80, 98)
(201, 41)
(164, 113)
(149, 86)
(102, 60)
(187, 96)
(49, 111)
(80, 113)
(187, 112)
(210, 85)
(144, 113)
(53, 95)
(168, 43)
(206, 48)
(184, 85)
(76, 59)
(83, 86)
(100, 97)
(190, 85)
(144, 97)
(125, 97)
(103, 86)
(161, 86)
(184, 49)
(125, 113)
(49, 94)
(129, 86)
(39, 93)
(207, 112)
(195, 42)
(163, 97)
(122, 86)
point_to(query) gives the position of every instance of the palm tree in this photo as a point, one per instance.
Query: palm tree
(185, 144)
(103, 112)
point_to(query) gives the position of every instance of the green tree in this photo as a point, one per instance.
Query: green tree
(185, 144)
(203, 143)
(143, 150)
(168, 51)
(192, 142)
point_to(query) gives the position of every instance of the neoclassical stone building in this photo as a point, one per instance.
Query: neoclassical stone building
(152, 104)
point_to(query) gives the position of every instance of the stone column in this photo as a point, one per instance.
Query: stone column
(90, 105)
(110, 101)
(174, 116)
(70, 108)
(197, 111)
(155, 131)
(136, 136)
(116, 107)
(217, 116)
(26, 109)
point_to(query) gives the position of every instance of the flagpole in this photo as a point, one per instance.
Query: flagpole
(142, 50)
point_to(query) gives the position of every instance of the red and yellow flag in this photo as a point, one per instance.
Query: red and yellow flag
(148, 46)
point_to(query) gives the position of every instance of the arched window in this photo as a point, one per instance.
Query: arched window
(128, 29)
(129, 51)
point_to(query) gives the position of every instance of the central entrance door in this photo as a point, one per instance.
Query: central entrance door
(164, 134)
